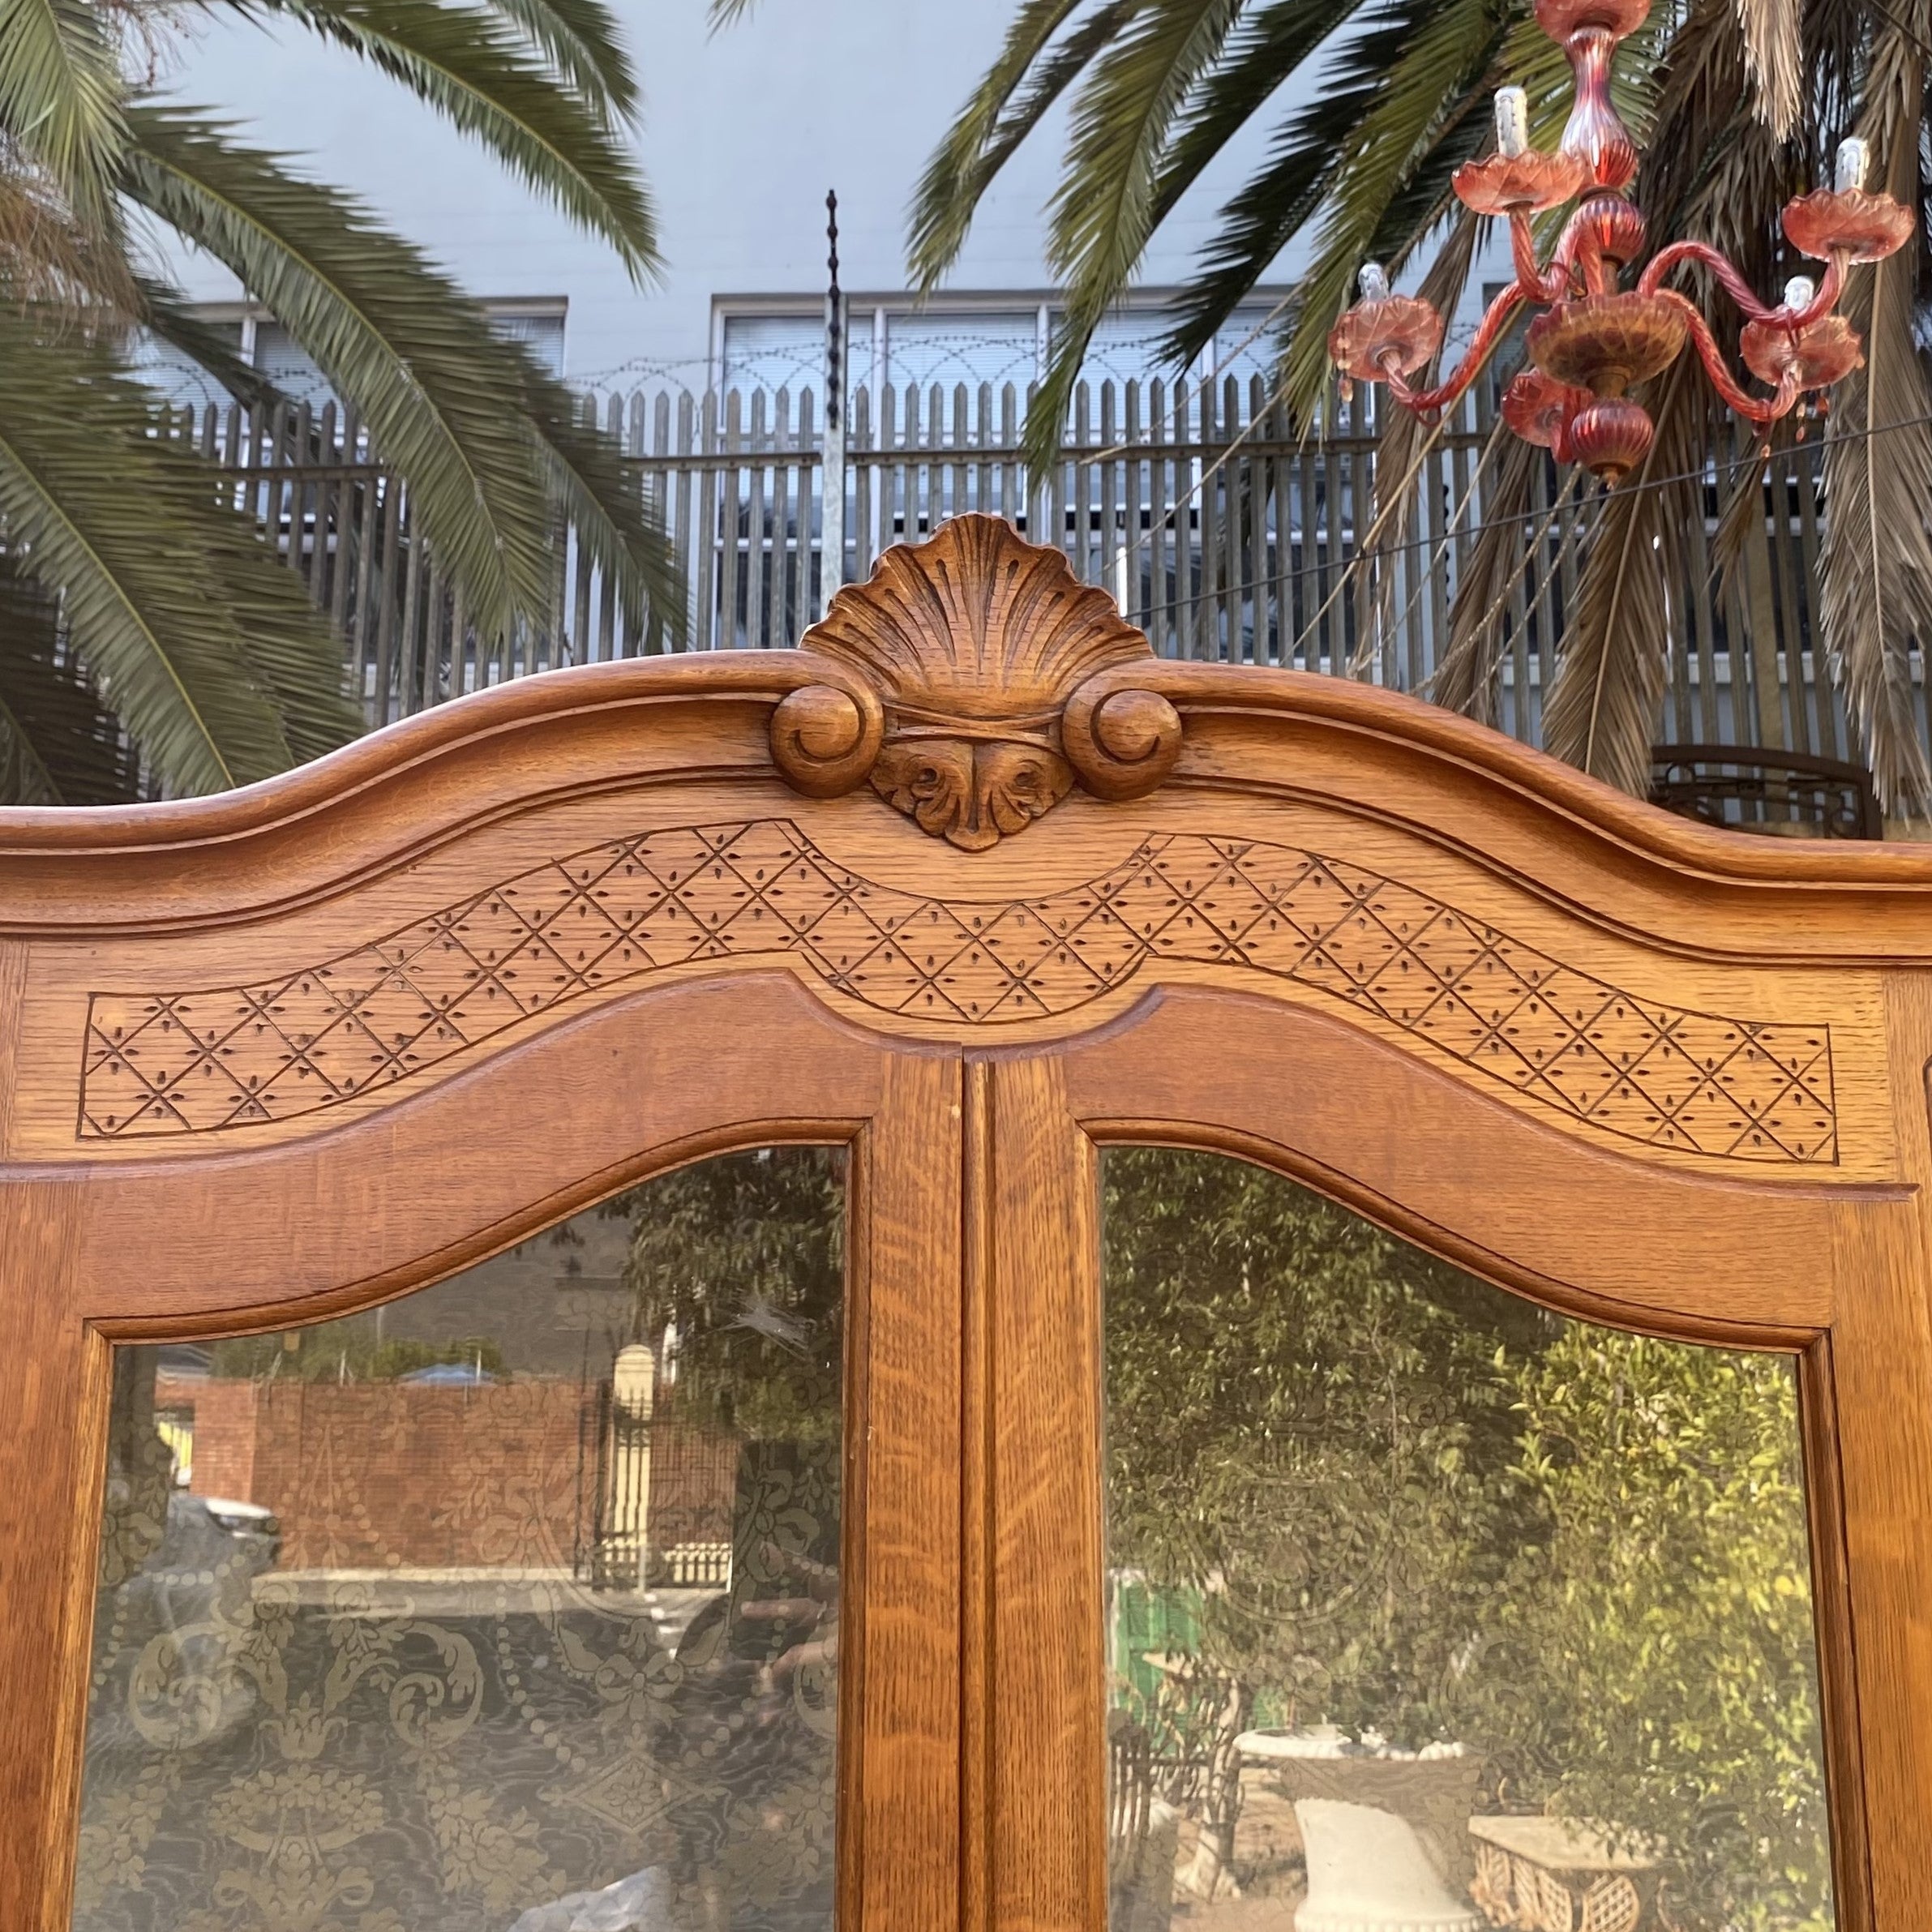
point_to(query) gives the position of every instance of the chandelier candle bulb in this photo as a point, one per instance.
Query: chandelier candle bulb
(1374, 282)
(1512, 121)
(1798, 292)
(1854, 160)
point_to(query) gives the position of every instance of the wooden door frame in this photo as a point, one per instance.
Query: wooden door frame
(626, 1094)
(1828, 1276)
(972, 881)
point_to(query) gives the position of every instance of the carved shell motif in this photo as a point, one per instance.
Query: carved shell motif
(981, 652)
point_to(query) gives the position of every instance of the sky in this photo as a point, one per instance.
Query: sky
(741, 134)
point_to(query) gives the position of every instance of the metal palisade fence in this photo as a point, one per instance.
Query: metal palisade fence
(1219, 530)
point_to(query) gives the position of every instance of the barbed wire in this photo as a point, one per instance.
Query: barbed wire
(949, 355)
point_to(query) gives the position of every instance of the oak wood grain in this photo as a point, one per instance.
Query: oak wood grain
(1045, 1848)
(1594, 1234)
(1832, 1612)
(901, 1683)
(52, 1436)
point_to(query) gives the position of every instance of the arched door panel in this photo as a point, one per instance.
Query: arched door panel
(330, 1226)
(1818, 1274)
(522, 1589)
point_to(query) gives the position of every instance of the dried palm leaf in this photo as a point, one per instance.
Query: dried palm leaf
(1401, 450)
(1603, 703)
(52, 262)
(1772, 50)
(1875, 567)
(1743, 493)
(1714, 172)
(1465, 679)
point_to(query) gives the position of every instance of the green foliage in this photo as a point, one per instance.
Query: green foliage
(202, 644)
(348, 1350)
(1357, 1485)
(1303, 1426)
(171, 613)
(743, 1258)
(1667, 1618)
(1159, 90)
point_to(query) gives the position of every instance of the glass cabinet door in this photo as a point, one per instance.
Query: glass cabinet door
(513, 1605)
(1426, 1607)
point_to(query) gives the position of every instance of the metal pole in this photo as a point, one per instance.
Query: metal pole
(832, 469)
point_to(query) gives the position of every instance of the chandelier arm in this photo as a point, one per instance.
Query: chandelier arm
(1427, 402)
(1549, 284)
(1537, 283)
(1733, 284)
(1761, 411)
(1740, 291)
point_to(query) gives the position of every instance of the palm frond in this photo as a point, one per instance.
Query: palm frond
(60, 98)
(168, 315)
(1262, 50)
(724, 13)
(59, 744)
(1102, 212)
(192, 632)
(52, 260)
(1271, 207)
(1435, 85)
(1466, 679)
(1742, 505)
(1604, 704)
(400, 341)
(465, 62)
(1708, 171)
(582, 41)
(1773, 49)
(601, 495)
(1405, 437)
(1875, 566)
(986, 130)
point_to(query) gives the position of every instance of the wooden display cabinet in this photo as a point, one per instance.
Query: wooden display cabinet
(973, 885)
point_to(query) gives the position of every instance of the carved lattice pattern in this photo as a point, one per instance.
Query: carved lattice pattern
(1666, 1075)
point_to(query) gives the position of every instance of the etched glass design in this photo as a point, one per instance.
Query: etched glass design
(1428, 1610)
(510, 1607)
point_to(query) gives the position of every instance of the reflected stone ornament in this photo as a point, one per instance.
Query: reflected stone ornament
(1367, 1872)
(974, 648)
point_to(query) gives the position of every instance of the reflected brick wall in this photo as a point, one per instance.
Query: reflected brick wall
(376, 1475)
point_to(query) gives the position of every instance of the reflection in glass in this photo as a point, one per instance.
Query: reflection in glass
(1430, 1609)
(510, 1606)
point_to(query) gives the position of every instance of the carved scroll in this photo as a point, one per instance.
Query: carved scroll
(983, 648)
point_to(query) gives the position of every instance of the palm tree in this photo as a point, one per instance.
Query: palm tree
(146, 628)
(1738, 102)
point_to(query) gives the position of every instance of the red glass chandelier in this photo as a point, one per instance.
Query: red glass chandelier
(1595, 339)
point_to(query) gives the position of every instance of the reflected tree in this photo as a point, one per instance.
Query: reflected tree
(1304, 1417)
(1372, 1491)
